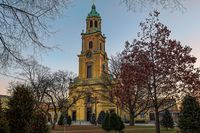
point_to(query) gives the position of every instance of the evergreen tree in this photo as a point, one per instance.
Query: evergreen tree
(101, 117)
(189, 118)
(116, 122)
(69, 120)
(112, 122)
(93, 119)
(106, 125)
(61, 119)
(39, 124)
(4, 128)
(21, 109)
(167, 120)
(121, 125)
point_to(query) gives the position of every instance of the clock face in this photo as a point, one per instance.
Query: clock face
(89, 54)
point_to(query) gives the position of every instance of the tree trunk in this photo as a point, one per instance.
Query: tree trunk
(54, 121)
(157, 121)
(132, 119)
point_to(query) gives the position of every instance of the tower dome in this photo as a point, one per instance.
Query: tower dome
(93, 12)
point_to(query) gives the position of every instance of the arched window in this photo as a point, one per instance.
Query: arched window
(89, 71)
(91, 23)
(90, 45)
(96, 24)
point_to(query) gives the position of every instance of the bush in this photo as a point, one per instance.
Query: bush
(39, 124)
(106, 122)
(101, 117)
(121, 126)
(69, 120)
(112, 122)
(189, 118)
(93, 119)
(167, 120)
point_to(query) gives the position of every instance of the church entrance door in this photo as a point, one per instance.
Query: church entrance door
(89, 113)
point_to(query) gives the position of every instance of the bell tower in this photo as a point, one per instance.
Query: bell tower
(93, 58)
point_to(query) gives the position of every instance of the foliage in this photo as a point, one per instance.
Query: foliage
(21, 110)
(167, 67)
(101, 117)
(121, 125)
(106, 125)
(69, 120)
(93, 119)
(112, 122)
(167, 120)
(189, 118)
(130, 91)
(39, 124)
(61, 119)
(4, 128)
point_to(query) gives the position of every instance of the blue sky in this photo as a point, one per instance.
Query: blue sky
(118, 24)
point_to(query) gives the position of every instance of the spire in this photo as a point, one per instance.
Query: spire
(93, 12)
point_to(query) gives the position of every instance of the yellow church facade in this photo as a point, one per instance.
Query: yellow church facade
(93, 61)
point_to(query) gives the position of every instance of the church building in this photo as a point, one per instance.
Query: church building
(93, 61)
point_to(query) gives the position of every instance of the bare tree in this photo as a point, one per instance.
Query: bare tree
(38, 77)
(51, 89)
(23, 23)
(144, 4)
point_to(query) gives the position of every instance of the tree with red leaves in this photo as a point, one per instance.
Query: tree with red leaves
(166, 68)
(130, 90)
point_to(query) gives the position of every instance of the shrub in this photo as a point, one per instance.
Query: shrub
(93, 119)
(106, 122)
(167, 120)
(112, 122)
(69, 120)
(121, 126)
(101, 117)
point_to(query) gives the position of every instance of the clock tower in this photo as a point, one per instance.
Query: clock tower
(93, 58)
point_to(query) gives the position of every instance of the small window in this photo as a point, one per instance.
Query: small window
(91, 23)
(100, 46)
(90, 45)
(96, 24)
(89, 71)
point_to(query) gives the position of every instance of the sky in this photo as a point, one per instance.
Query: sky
(118, 25)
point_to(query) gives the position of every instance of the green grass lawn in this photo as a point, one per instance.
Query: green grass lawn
(94, 129)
